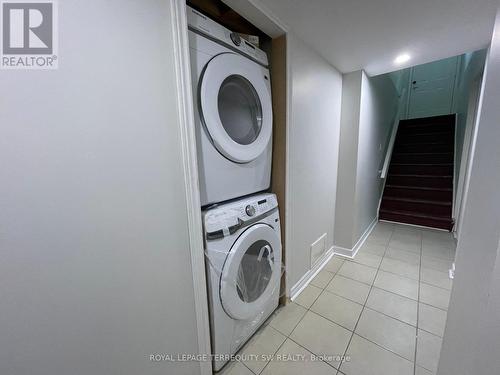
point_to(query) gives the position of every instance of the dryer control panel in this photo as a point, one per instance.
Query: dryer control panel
(204, 25)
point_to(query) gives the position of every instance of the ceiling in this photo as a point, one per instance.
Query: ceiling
(370, 34)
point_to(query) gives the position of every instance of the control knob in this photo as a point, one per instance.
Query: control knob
(235, 38)
(250, 210)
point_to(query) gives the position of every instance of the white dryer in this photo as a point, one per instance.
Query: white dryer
(243, 262)
(233, 111)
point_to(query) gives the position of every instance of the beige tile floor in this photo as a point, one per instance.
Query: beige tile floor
(385, 309)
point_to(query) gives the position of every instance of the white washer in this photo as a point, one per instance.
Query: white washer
(233, 111)
(243, 261)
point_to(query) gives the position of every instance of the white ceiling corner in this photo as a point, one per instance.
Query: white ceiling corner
(370, 34)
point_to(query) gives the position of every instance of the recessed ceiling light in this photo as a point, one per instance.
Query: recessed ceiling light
(401, 59)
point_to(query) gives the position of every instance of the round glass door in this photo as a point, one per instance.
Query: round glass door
(240, 110)
(236, 107)
(255, 271)
(251, 272)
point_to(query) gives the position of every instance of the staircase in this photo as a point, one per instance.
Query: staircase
(419, 187)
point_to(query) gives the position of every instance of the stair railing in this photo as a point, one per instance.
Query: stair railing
(385, 168)
(390, 147)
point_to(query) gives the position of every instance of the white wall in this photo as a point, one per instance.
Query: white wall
(348, 159)
(379, 105)
(95, 269)
(471, 336)
(316, 89)
(490, 326)
(369, 106)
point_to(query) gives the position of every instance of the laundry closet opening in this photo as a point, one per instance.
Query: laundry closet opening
(238, 77)
(238, 88)
(238, 97)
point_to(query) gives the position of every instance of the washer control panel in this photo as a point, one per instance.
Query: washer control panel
(257, 206)
(231, 216)
(236, 39)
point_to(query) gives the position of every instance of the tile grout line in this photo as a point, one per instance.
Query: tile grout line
(378, 344)
(364, 306)
(367, 339)
(286, 336)
(307, 310)
(420, 256)
(426, 283)
(366, 299)
(436, 307)
(383, 347)
(265, 324)
(389, 316)
(385, 290)
(369, 307)
(306, 349)
(274, 354)
(397, 274)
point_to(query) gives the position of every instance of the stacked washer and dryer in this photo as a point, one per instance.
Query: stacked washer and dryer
(233, 114)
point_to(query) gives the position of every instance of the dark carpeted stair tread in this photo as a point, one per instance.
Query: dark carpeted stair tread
(419, 186)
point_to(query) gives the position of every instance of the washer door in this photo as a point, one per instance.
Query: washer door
(251, 272)
(236, 107)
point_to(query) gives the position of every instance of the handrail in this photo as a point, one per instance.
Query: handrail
(392, 139)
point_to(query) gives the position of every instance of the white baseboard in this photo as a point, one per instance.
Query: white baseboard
(351, 253)
(309, 275)
(343, 251)
(334, 250)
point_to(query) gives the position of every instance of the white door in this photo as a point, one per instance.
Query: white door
(236, 107)
(431, 88)
(251, 273)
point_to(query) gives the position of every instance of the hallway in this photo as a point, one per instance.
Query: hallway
(385, 311)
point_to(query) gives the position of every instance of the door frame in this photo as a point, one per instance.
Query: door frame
(261, 17)
(190, 167)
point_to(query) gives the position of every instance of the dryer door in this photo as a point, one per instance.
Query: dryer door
(251, 273)
(236, 108)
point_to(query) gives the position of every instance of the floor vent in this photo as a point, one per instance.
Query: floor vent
(318, 248)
